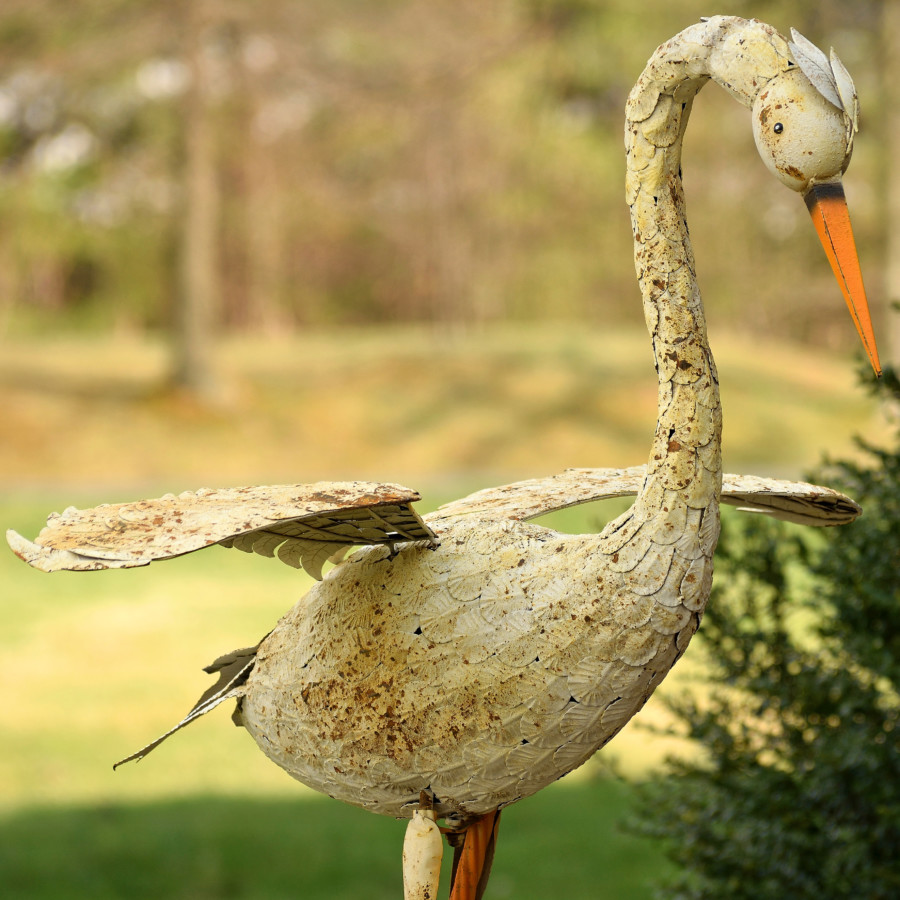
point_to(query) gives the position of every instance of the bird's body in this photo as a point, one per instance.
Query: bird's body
(486, 657)
(534, 648)
(478, 672)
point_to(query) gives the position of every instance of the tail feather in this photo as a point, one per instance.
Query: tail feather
(234, 669)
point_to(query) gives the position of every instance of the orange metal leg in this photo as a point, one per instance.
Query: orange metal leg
(473, 868)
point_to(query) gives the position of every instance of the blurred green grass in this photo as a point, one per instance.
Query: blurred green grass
(101, 663)
(105, 661)
(404, 403)
(563, 842)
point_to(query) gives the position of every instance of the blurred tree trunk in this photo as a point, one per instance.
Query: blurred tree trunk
(264, 246)
(264, 214)
(445, 258)
(196, 311)
(890, 109)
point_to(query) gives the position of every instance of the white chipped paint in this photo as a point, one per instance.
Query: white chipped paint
(480, 666)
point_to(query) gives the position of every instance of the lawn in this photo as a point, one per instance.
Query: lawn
(404, 404)
(98, 664)
(564, 842)
(103, 662)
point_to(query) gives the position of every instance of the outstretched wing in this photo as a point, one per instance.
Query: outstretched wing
(523, 500)
(304, 524)
(794, 501)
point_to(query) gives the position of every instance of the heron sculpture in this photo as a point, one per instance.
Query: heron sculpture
(462, 661)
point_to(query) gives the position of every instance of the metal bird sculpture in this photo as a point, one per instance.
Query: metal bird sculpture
(458, 663)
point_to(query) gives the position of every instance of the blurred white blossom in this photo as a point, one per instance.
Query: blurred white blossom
(74, 146)
(160, 79)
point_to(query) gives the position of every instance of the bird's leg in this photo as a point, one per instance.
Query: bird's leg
(423, 849)
(472, 860)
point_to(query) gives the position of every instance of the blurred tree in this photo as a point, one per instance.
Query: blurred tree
(196, 316)
(794, 789)
(890, 105)
(410, 160)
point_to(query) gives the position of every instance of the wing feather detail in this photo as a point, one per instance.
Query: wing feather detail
(306, 525)
(794, 501)
(523, 500)
(300, 524)
(233, 669)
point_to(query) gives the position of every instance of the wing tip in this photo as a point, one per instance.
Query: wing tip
(28, 551)
(52, 559)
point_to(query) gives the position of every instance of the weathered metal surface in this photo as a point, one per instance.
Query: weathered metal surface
(468, 698)
(795, 501)
(423, 850)
(303, 523)
(233, 669)
(507, 675)
(831, 80)
(481, 666)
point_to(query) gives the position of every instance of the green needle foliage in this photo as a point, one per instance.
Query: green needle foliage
(796, 790)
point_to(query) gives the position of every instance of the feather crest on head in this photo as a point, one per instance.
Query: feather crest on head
(830, 78)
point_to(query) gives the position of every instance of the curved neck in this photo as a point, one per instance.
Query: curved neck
(742, 56)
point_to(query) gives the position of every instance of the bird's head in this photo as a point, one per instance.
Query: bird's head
(804, 122)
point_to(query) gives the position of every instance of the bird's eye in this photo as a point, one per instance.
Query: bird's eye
(778, 128)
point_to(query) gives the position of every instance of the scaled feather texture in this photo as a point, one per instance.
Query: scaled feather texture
(462, 661)
(305, 524)
(339, 514)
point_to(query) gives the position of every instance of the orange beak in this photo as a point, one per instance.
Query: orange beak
(828, 208)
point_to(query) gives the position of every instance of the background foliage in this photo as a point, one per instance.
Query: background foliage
(311, 170)
(795, 790)
(411, 160)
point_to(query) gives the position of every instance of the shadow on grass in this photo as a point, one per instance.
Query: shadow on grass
(564, 842)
